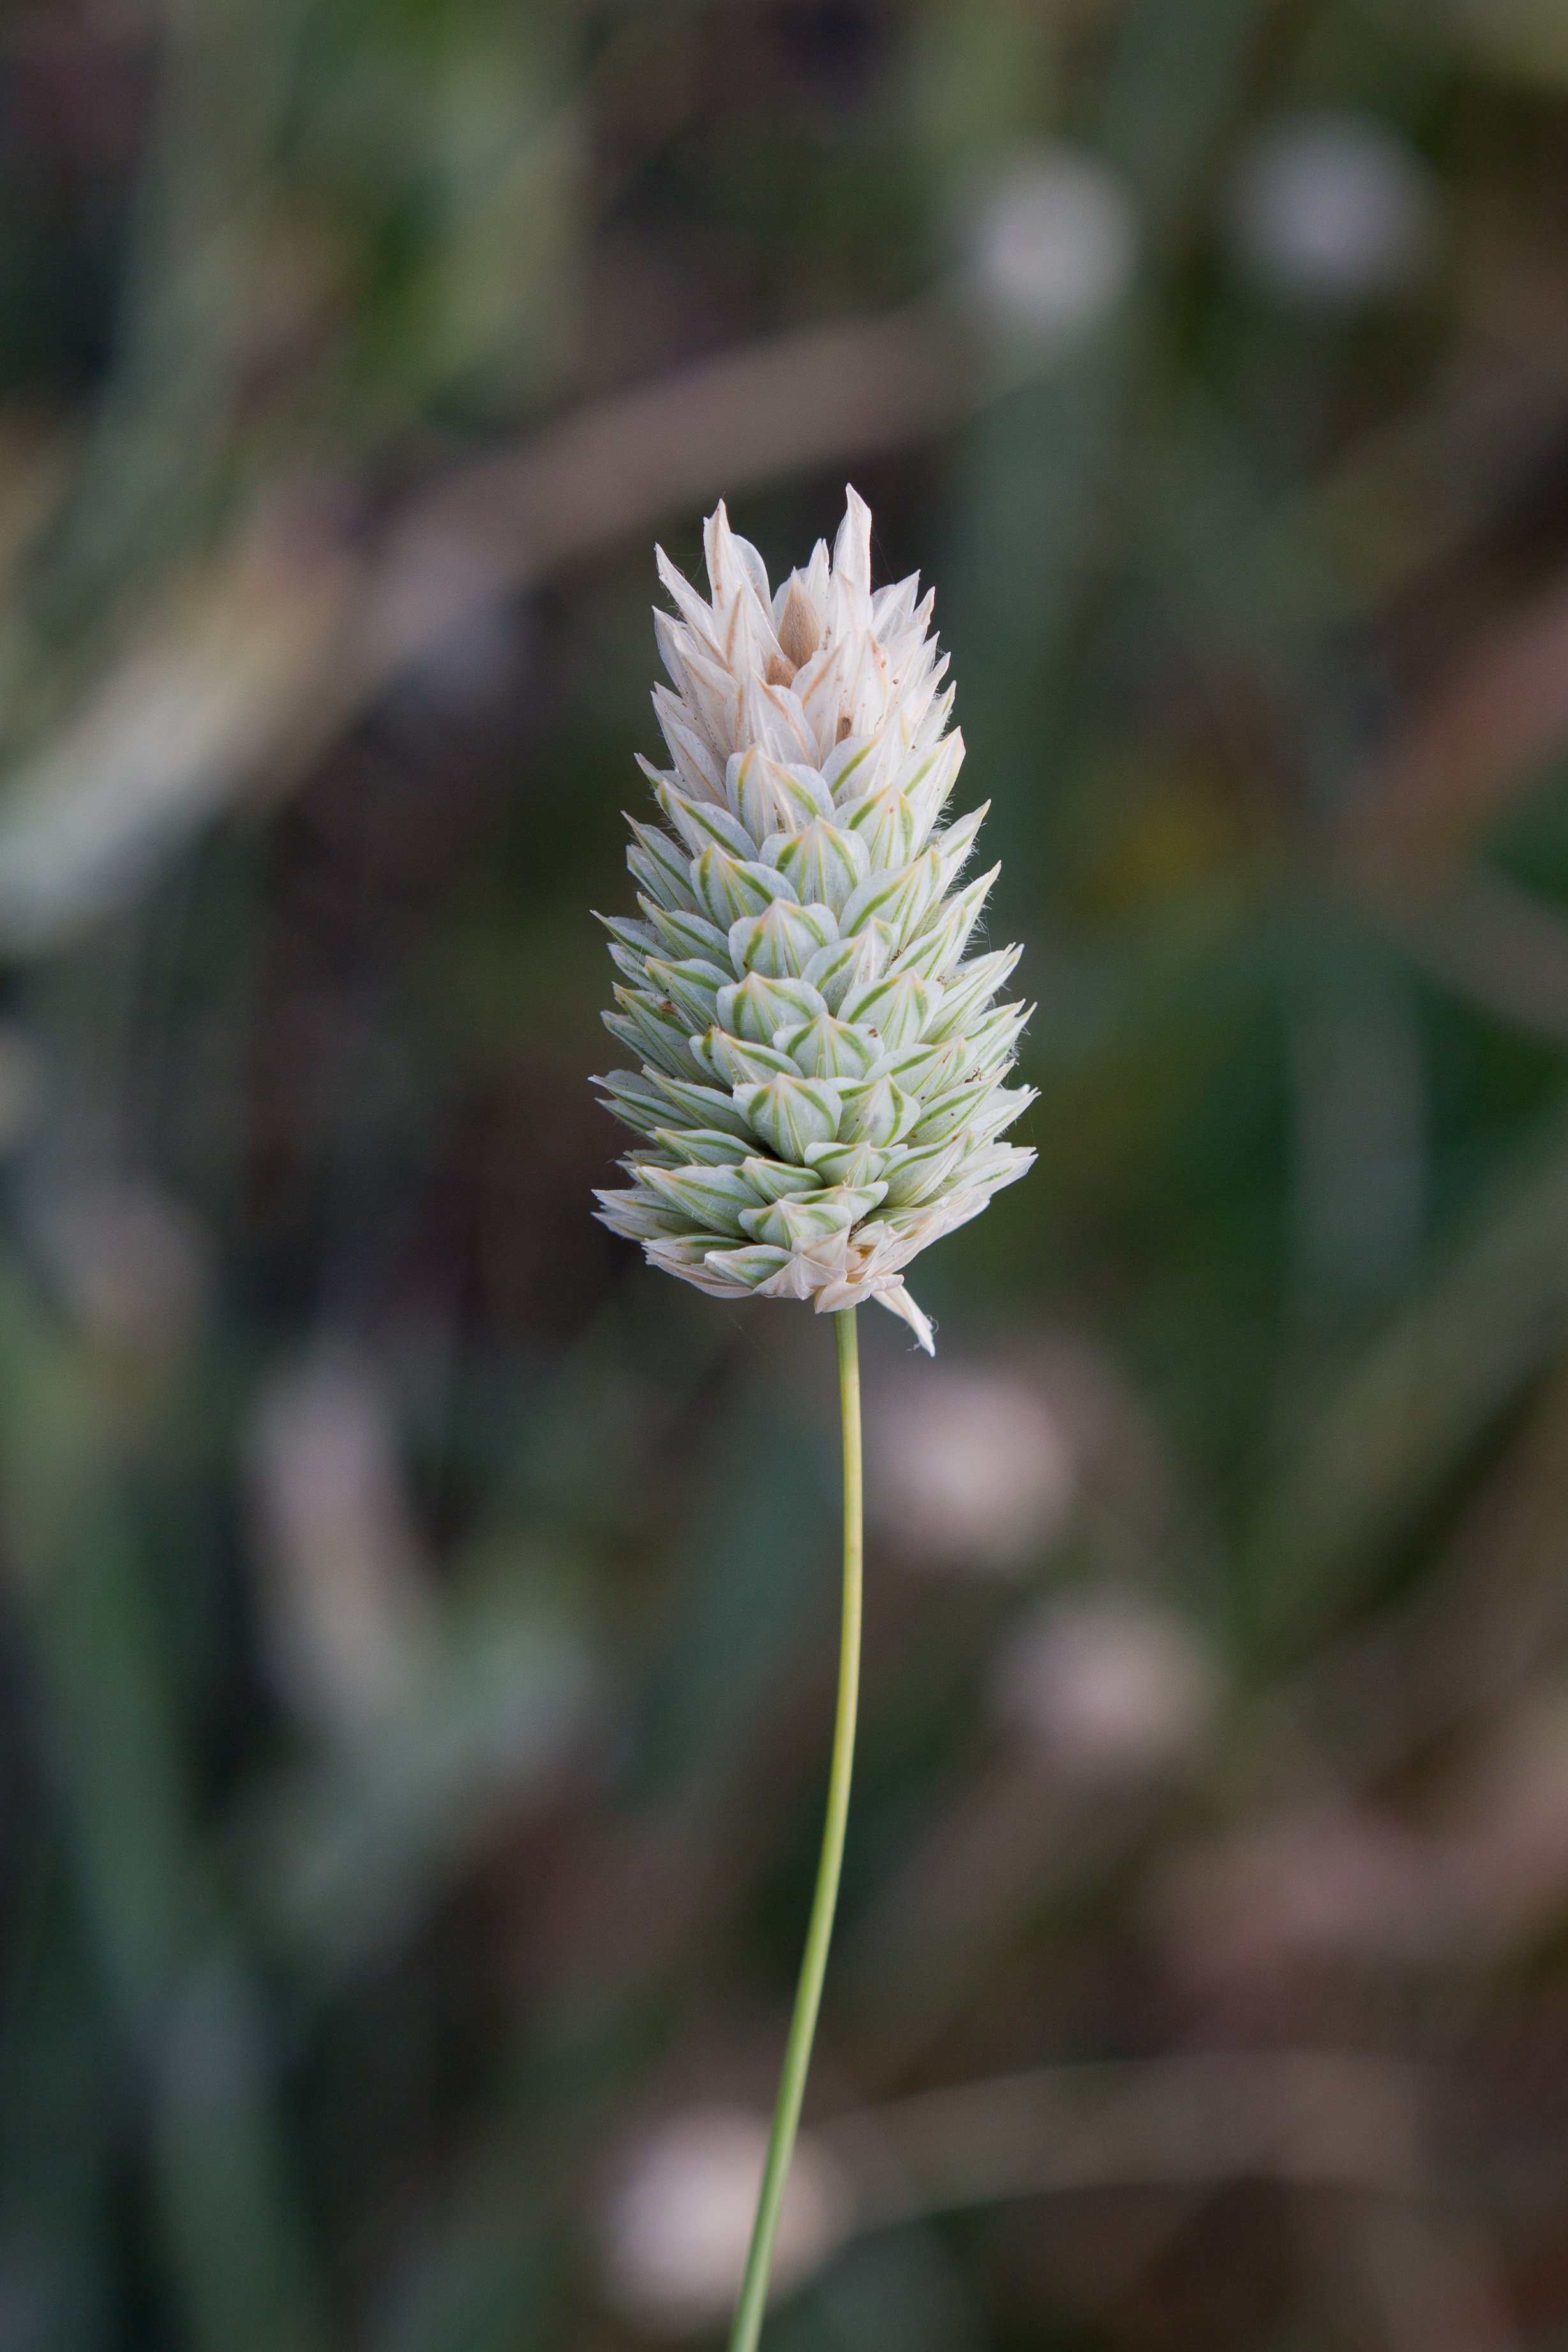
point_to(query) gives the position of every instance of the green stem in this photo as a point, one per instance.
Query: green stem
(753, 2301)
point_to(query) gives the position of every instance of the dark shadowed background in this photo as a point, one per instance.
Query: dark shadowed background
(417, 1618)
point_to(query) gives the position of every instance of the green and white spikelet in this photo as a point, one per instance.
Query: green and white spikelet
(821, 1087)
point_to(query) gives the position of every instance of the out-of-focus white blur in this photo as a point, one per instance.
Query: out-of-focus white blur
(675, 2222)
(130, 1264)
(342, 1597)
(971, 1466)
(1330, 207)
(1053, 244)
(1105, 1688)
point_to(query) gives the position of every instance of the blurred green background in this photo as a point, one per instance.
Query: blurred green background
(416, 1618)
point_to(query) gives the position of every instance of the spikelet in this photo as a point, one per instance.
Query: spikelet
(821, 1082)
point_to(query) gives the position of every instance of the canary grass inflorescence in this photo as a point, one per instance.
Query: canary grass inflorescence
(822, 1075)
(821, 1087)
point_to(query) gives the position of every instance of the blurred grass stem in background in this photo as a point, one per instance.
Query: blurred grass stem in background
(748, 2327)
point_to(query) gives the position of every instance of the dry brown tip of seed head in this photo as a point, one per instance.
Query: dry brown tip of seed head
(800, 631)
(780, 671)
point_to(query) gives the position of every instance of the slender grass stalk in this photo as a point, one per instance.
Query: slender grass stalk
(821, 1082)
(753, 2302)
